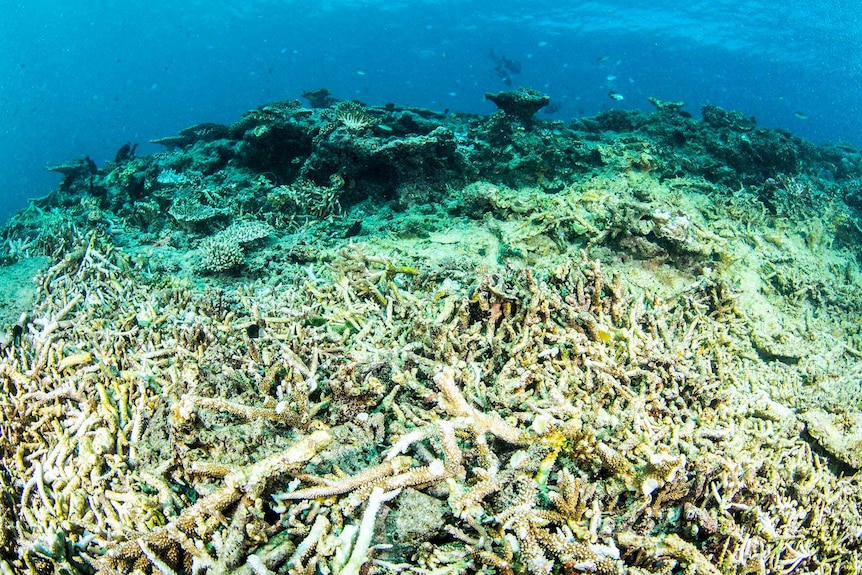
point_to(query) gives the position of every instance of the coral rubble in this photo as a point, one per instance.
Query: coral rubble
(355, 340)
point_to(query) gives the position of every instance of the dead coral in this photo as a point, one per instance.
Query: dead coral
(566, 418)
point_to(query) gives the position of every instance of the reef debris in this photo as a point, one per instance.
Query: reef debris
(584, 348)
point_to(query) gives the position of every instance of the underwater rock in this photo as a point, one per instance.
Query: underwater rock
(273, 116)
(741, 152)
(384, 163)
(840, 435)
(614, 121)
(225, 250)
(665, 106)
(412, 121)
(783, 347)
(416, 517)
(720, 118)
(189, 211)
(18, 295)
(522, 103)
(319, 98)
(204, 132)
(74, 170)
(278, 138)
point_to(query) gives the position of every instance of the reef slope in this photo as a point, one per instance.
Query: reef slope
(347, 339)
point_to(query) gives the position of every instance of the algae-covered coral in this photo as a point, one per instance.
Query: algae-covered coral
(353, 339)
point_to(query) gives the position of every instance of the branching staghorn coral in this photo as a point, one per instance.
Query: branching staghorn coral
(535, 410)
(168, 547)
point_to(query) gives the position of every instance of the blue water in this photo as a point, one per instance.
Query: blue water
(84, 77)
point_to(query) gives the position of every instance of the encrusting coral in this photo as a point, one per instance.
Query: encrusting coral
(559, 402)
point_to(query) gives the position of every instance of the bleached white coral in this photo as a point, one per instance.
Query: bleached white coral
(224, 251)
(674, 228)
(353, 116)
(219, 254)
(359, 555)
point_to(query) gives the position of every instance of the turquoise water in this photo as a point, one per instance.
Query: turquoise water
(84, 78)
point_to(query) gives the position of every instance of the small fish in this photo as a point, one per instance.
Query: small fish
(615, 96)
(542, 44)
(611, 78)
(801, 115)
(360, 72)
(603, 58)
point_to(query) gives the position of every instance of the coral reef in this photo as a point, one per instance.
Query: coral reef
(521, 104)
(355, 340)
(353, 116)
(224, 251)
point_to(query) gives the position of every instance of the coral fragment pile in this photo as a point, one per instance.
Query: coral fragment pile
(352, 340)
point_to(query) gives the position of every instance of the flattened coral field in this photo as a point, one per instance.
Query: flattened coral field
(356, 340)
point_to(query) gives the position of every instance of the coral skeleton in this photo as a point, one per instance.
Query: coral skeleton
(366, 340)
